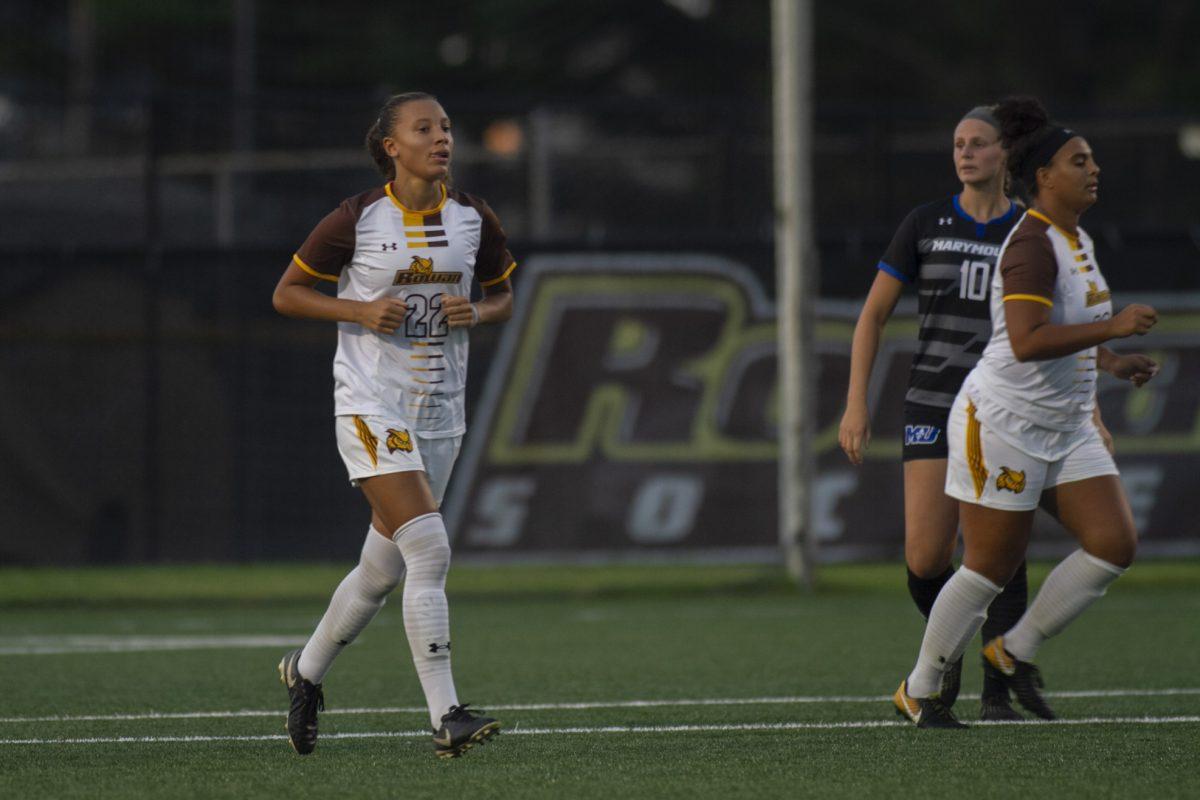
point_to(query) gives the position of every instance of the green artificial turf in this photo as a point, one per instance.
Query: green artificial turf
(558, 635)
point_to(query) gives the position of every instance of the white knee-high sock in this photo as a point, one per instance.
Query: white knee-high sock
(960, 608)
(426, 551)
(355, 603)
(1078, 581)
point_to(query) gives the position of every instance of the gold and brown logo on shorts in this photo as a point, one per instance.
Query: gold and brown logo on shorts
(1010, 479)
(421, 270)
(398, 440)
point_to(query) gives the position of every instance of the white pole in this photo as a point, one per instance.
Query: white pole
(791, 35)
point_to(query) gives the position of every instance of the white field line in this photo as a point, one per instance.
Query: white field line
(583, 706)
(637, 729)
(57, 645)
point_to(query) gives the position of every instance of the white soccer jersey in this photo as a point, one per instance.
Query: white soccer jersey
(374, 247)
(1042, 406)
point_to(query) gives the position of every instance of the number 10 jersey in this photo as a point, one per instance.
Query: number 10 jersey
(950, 257)
(374, 247)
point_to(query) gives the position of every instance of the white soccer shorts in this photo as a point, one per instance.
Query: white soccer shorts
(988, 471)
(379, 446)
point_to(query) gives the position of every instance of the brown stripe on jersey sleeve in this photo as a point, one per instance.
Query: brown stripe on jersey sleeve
(493, 263)
(1028, 267)
(330, 246)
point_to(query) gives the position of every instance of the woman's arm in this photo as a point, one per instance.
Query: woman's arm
(296, 296)
(495, 306)
(854, 433)
(1034, 338)
(1134, 367)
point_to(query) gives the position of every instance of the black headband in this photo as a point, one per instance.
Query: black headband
(1044, 152)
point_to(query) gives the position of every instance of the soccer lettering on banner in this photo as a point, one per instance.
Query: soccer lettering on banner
(631, 404)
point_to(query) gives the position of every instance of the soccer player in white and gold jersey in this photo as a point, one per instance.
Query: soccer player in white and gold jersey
(404, 257)
(1024, 424)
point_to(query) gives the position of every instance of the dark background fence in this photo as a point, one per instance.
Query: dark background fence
(159, 163)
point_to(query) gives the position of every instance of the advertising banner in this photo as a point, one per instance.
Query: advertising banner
(631, 405)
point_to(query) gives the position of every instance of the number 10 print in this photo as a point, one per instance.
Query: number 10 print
(973, 280)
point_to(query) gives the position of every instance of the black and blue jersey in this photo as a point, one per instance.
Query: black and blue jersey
(950, 258)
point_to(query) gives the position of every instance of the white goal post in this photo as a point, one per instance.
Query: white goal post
(795, 277)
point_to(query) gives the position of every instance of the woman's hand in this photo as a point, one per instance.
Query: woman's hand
(1133, 319)
(855, 432)
(459, 311)
(1135, 368)
(384, 315)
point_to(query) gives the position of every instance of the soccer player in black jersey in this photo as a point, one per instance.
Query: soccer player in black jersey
(948, 249)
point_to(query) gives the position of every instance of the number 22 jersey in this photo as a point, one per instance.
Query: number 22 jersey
(374, 247)
(950, 257)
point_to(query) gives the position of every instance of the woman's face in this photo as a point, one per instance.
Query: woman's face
(978, 156)
(1072, 176)
(420, 142)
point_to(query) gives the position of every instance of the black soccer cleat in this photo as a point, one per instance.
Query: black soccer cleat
(306, 699)
(926, 712)
(951, 683)
(998, 709)
(461, 730)
(1021, 677)
(995, 705)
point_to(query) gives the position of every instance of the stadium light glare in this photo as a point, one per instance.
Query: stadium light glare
(455, 49)
(504, 137)
(696, 9)
(1189, 140)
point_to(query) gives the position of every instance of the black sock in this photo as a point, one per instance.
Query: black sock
(925, 590)
(1004, 612)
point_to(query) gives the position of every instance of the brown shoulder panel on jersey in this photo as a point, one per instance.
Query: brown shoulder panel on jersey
(1028, 268)
(330, 246)
(493, 263)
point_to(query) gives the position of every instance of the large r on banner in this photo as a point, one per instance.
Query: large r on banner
(631, 406)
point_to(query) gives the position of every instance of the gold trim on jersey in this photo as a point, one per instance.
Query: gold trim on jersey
(978, 469)
(370, 441)
(501, 279)
(420, 215)
(1037, 298)
(300, 263)
(1071, 239)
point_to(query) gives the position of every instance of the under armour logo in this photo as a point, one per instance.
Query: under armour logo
(434, 647)
(945, 220)
(386, 245)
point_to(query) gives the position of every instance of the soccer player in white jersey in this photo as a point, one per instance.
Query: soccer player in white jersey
(404, 257)
(1024, 423)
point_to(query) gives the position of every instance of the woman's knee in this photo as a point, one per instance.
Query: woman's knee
(1118, 548)
(928, 563)
(998, 563)
(928, 551)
